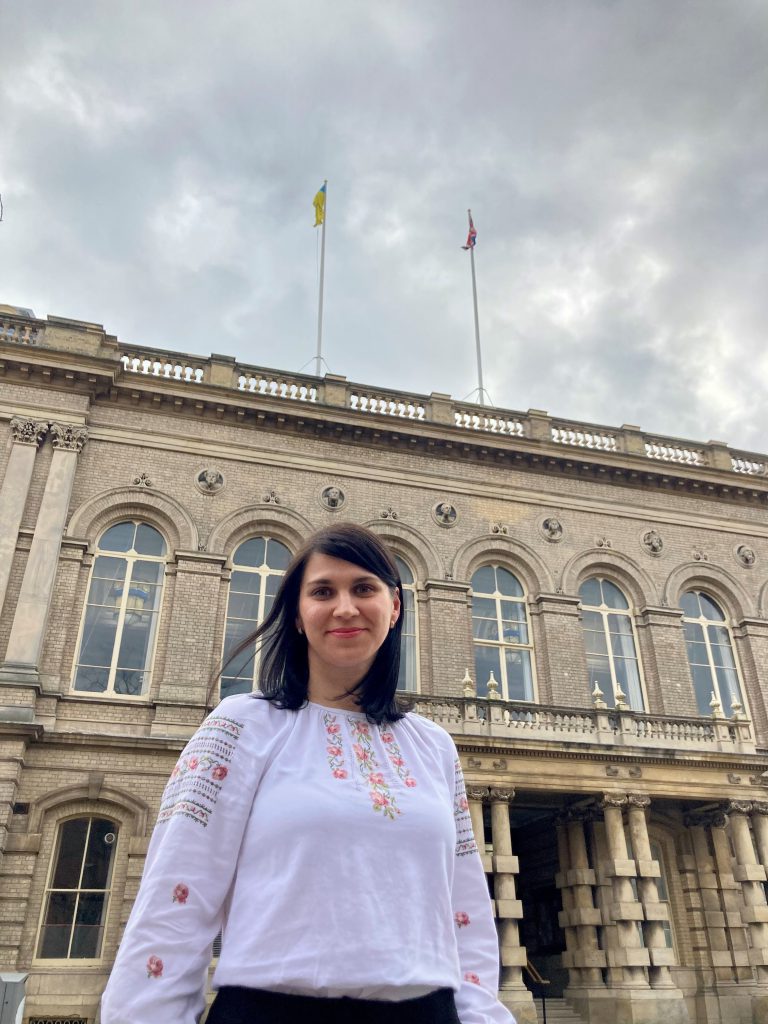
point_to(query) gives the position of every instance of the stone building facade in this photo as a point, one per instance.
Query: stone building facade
(588, 616)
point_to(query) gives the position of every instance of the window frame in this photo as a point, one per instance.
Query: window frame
(501, 645)
(604, 611)
(262, 597)
(48, 888)
(413, 590)
(725, 623)
(149, 670)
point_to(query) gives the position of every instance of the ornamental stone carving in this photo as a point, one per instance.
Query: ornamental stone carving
(209, 481)
(445, 514)
(28, 431)
(746, 555)
(759, 808)
(613, 800)
(333, 498)
(142, 481)
(69, 437)
(388, 513)
(653, 542)
(603, 542)
(552, 529)
(270, 498)
(699, 555)
(477, 792)
(499, 529)
(501, 794)
(738, 807)
(638, 800)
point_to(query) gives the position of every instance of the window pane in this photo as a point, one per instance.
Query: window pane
(508, 584)
(485, 629)
(690, 604)
(592, 620)
(620, 624)
(589, 592)
(623, 646)
(406, 576)
(514, 632)
(628, 678)
(406, 679)
(98, 856)
(710, 609)
(720, 635)
(697, 654)
(600, 673)
(86, 938)
(729, 688)
(486, 661)
(149, 541)
(107, 568)
(519, 681)
(278, 555)
(137, 637)
(612, 596)
(98, 640)
(251, 552)
(69, 857)
(129, 683)
(92, 680)
(484, 607)
(703, 685)
(118, 538)
(513, 611)
(693, 631)
(148, 572)
(230, 686)
(243, 606)
(54, 942)
(484, 580)
(594, 642)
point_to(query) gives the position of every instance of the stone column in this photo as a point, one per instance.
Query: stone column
(760, 831)
(752, 876)
(648, 871)
(508, 907)
(27, 435)
(22, 658)
(585, 916)
(476, 795)
(706, 906)
(626, 957)
(732, 899)
(562, 881)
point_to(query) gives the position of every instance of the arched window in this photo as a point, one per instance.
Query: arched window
(117, 638)
(409, 644)
(609, 638)
(710, 653)
(77, 895)
(501, 633)
(258, 565)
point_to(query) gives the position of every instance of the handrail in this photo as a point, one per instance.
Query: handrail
(535, 976)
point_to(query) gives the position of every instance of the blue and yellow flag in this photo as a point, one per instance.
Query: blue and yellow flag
(319, 204)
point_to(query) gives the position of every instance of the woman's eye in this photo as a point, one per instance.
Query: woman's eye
(321, 592)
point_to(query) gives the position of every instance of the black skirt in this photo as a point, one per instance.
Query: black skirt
(235, 1005)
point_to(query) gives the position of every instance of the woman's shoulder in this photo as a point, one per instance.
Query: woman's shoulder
(253, 710)
(429, 732)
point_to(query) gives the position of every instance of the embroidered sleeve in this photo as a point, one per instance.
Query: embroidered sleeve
(161, 968)
(476, 939)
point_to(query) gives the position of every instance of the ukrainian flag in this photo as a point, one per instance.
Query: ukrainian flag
(319, 204)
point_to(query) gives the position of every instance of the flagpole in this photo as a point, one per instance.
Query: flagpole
(480, 388)
(319, 356)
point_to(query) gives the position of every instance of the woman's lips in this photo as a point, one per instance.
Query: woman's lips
(345, 632)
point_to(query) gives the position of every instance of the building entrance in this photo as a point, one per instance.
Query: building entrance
(534, 843)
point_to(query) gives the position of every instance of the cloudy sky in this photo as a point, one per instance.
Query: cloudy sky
(158, 163)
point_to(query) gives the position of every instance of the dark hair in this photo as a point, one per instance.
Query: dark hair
(284, 670)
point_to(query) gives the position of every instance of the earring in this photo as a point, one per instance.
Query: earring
(300, 631)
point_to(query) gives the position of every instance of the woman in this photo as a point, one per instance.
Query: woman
(324, 832)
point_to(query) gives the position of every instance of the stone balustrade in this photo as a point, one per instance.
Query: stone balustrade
(517, 720)
(335, 391)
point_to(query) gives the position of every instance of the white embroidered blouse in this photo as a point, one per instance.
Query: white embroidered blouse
(335, 856)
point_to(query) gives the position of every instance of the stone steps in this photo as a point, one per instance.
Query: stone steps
(558, 1012)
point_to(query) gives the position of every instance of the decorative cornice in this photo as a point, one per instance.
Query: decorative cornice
(28, 431)
(69, 437)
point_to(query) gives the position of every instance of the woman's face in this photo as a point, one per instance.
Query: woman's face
(345, 612)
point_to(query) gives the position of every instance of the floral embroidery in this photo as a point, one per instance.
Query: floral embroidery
(181, 893)
(381, 796)
(471, 976)
(334, 749)
(396, 758)
(465, 837)
(461, 918)
(154, 967)
(197, 779)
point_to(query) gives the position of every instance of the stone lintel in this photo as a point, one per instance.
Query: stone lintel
(648, 868)
(656, 911)
(619, 869)
(663, 957)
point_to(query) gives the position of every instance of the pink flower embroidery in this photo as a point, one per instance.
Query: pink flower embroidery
(410, 782)
(219, 773)
(154, 967)
(334, 751)
(396, 758)
(193, 763)
(463, 803)
(379, 800)
(470, 976)
(376, 779)
(333, 729)
(180, 893)
(339, 773)
(387, 737)
(461, 919)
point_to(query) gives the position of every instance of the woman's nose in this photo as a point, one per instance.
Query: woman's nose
(345, 605)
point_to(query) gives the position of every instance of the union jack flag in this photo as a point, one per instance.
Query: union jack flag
(471, 237)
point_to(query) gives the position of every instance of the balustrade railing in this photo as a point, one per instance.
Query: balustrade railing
(518, 720)
(534, 426)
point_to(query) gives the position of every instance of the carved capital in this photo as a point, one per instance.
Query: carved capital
(26, 431)
(738, 807)
(69, 437)
(706, 819)
(501, 794)
(477, 792)
(613, 800)
(638, 800)
(759, 808)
